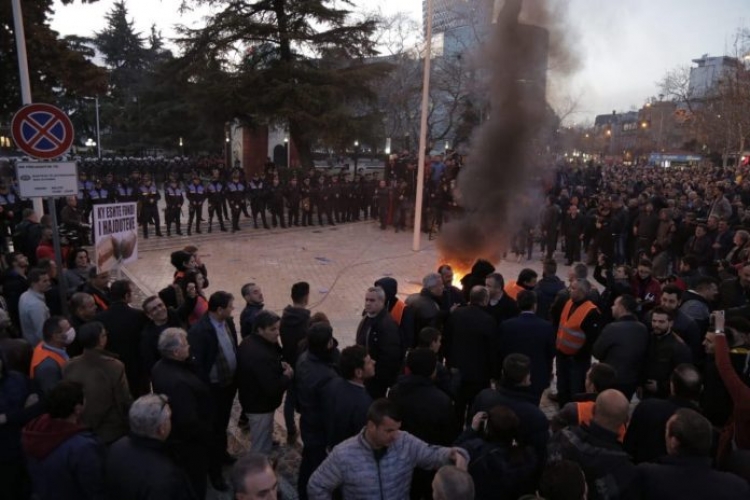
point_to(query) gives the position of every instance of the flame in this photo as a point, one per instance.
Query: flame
(457, 277)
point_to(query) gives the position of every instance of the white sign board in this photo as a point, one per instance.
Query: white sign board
(40, 179)
(115, 235)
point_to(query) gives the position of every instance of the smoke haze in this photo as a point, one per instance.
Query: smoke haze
(499, 186)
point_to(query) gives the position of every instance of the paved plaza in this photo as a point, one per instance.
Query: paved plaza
(339, 262)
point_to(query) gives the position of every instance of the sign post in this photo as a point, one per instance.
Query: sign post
(45, 132)
(115, 235)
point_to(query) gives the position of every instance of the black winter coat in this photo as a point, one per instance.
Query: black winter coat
(312, 374)
(470, 338)
(644, 439)
(346, 410)
(294, 324)
(124, 326)
(426, 411)
(139, 468)
(380, 336)
(189, 399)
(260, 378)
(609, 472)
(683, 478)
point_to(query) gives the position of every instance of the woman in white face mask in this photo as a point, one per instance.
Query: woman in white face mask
(49, 355)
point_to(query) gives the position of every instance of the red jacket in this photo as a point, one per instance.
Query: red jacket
(738, 427)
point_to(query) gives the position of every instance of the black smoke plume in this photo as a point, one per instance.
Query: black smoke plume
(500, 185)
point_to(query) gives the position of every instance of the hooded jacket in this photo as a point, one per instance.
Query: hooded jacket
(65, 460)
(479, 272)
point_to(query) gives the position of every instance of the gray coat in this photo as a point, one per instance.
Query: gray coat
(352, 465)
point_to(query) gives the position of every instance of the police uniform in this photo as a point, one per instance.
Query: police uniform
(276, 203)
(236, 198)
(324, 202)
(84, 187)
(257, 192)
(293, 198)
(306, 202)
(149, 196)
(99, 195)
(196, 195)
(216, 198)
(9, 203)
(173, 195)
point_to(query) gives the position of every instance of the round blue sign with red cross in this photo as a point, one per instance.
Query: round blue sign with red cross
(42, 130)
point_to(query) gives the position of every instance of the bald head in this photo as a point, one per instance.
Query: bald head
(452, 483)
(611, 409)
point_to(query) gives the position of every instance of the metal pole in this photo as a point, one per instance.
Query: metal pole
(98, 134)
(423, 131)
(23, 73)
(62, 285)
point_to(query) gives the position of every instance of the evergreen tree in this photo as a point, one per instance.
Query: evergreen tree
(299, 63)
(59, 68)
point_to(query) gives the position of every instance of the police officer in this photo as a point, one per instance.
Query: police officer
(84, 186)
(324, 201)
(336, 199)
(149, 197)
(236, 197)
(216, 198)
(99, 195)
(306, 201)
(276, 203)
(257, 192)
(196, 195)
(173, 195)
(126, 192)
(9, 204)
(293, 198)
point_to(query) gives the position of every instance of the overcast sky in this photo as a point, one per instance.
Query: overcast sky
(625, 47)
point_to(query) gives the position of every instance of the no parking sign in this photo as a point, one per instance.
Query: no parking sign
(42, 131)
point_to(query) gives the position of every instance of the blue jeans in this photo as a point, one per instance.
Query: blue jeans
(571, 377)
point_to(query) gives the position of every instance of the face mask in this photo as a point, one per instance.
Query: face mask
(70, 336)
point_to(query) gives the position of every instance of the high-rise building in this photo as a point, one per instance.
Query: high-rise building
(452, 14)
(709, 71)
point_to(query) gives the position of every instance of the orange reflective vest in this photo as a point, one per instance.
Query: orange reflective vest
(512, 290)
(41, 353)
(586, 414)
(570, 336)
(398, 311)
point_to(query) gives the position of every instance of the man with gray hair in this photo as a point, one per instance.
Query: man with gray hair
(423, 309)
(190, 400)
(138, 465)
(378, 334)
(452, 483)
(579, 325)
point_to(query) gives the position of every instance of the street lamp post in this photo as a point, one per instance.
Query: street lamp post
(288, 152)
(182, 151)
(98, 131)
(356, 155)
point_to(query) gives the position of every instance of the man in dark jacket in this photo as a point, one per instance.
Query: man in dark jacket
(192, 412)
(294, 323)
(645, 437)
(452, 296)
(500, 305)
(138, 465)
(315, 369)
(253, 296)
(426, 411)
(378, 333)
(609, 472)
(547, 289)
(530, 335)
(665, 351)
(160, 317)
(423, 310)
(65, 460)
(686, 472)
(514, 392)
(262, 378)
(346, 397)
(683, 325)
(623, 344)
(479, 273)
(469, 340)
(124, 326)
(213, 342)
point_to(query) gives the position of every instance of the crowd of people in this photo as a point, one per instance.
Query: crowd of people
(438, 397)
